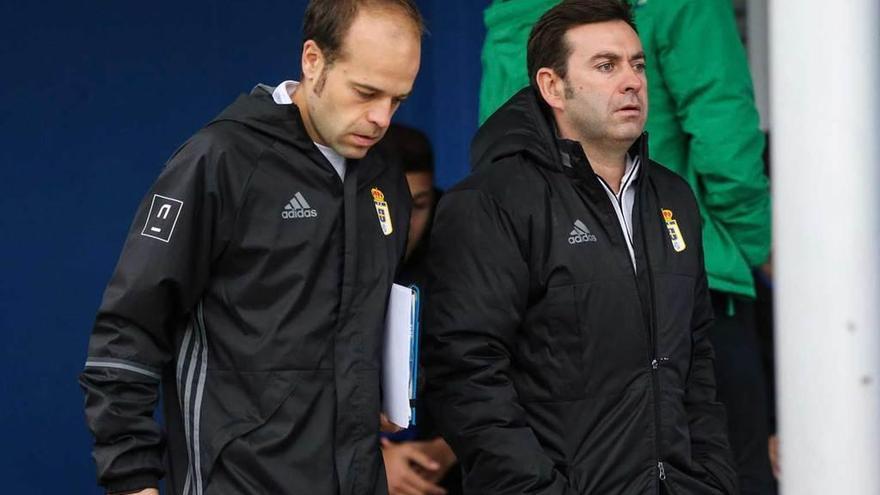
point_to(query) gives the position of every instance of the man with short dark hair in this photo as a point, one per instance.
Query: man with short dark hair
(567, 348)
(704, 126)
(254, 280)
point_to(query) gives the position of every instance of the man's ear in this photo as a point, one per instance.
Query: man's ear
(313, 61)
(552, 87)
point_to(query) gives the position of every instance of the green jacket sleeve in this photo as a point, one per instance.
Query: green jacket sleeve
(703, 64)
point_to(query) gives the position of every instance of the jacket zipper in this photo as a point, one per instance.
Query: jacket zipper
(652, 331)
(655, 362)
(652, 314)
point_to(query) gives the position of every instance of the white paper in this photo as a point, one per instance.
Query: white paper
(396, 356)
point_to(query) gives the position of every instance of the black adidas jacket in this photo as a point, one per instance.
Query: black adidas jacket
(253, 286)
(553, 368)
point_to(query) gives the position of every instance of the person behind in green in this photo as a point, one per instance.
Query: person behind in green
(704, 126)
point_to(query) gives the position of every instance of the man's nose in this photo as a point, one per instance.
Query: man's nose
(633, 80)
(380, 113)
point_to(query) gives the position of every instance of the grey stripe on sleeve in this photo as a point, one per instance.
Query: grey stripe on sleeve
(123, 365)
(184, 397)
(200, 388)
(187, 405)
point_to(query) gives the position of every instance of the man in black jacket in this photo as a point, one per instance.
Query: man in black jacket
(566, 336)
(254, 280)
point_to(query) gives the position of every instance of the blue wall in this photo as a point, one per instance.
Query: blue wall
(94, 97)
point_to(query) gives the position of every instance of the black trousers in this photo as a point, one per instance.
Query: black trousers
(742, 389)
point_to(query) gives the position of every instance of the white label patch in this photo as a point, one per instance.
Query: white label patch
(162, 217)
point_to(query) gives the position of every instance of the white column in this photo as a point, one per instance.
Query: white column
(825, 81)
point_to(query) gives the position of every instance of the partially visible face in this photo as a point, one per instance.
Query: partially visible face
(606, 93)
(421, 187)
(349, 104)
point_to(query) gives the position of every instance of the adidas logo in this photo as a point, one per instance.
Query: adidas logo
(298, 207)
(580, 234)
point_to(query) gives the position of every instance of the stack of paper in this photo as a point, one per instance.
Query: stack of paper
(401, 356)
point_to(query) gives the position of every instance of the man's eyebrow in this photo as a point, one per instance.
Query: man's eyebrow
(605, 56)
(615, 57)
(367, 87)
(371, 89)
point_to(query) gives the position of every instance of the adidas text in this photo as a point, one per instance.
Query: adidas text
(299, 214)
(577, 239)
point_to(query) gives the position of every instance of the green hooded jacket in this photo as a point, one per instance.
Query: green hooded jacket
(702, 117)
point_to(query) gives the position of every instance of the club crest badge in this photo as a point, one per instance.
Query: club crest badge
(382, 211)
(678, 243)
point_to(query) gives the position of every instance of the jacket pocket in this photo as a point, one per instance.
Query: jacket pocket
(686, 483)
(675, 310)
(549, 364)
(252, 424)
(241, 401)
(614, 339)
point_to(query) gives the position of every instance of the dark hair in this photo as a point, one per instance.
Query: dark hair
(547, 45)
(327, 21)
(410, 146)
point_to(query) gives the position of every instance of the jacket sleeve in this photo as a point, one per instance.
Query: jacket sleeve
(478, 291)
(706, 416)
(704, 66)
(157, 282)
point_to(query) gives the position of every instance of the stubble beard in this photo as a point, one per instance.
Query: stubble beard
(322, 81)
(591, 127)
(583, 124)
(567, 91)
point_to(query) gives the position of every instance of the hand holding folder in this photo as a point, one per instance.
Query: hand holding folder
(401, 356)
